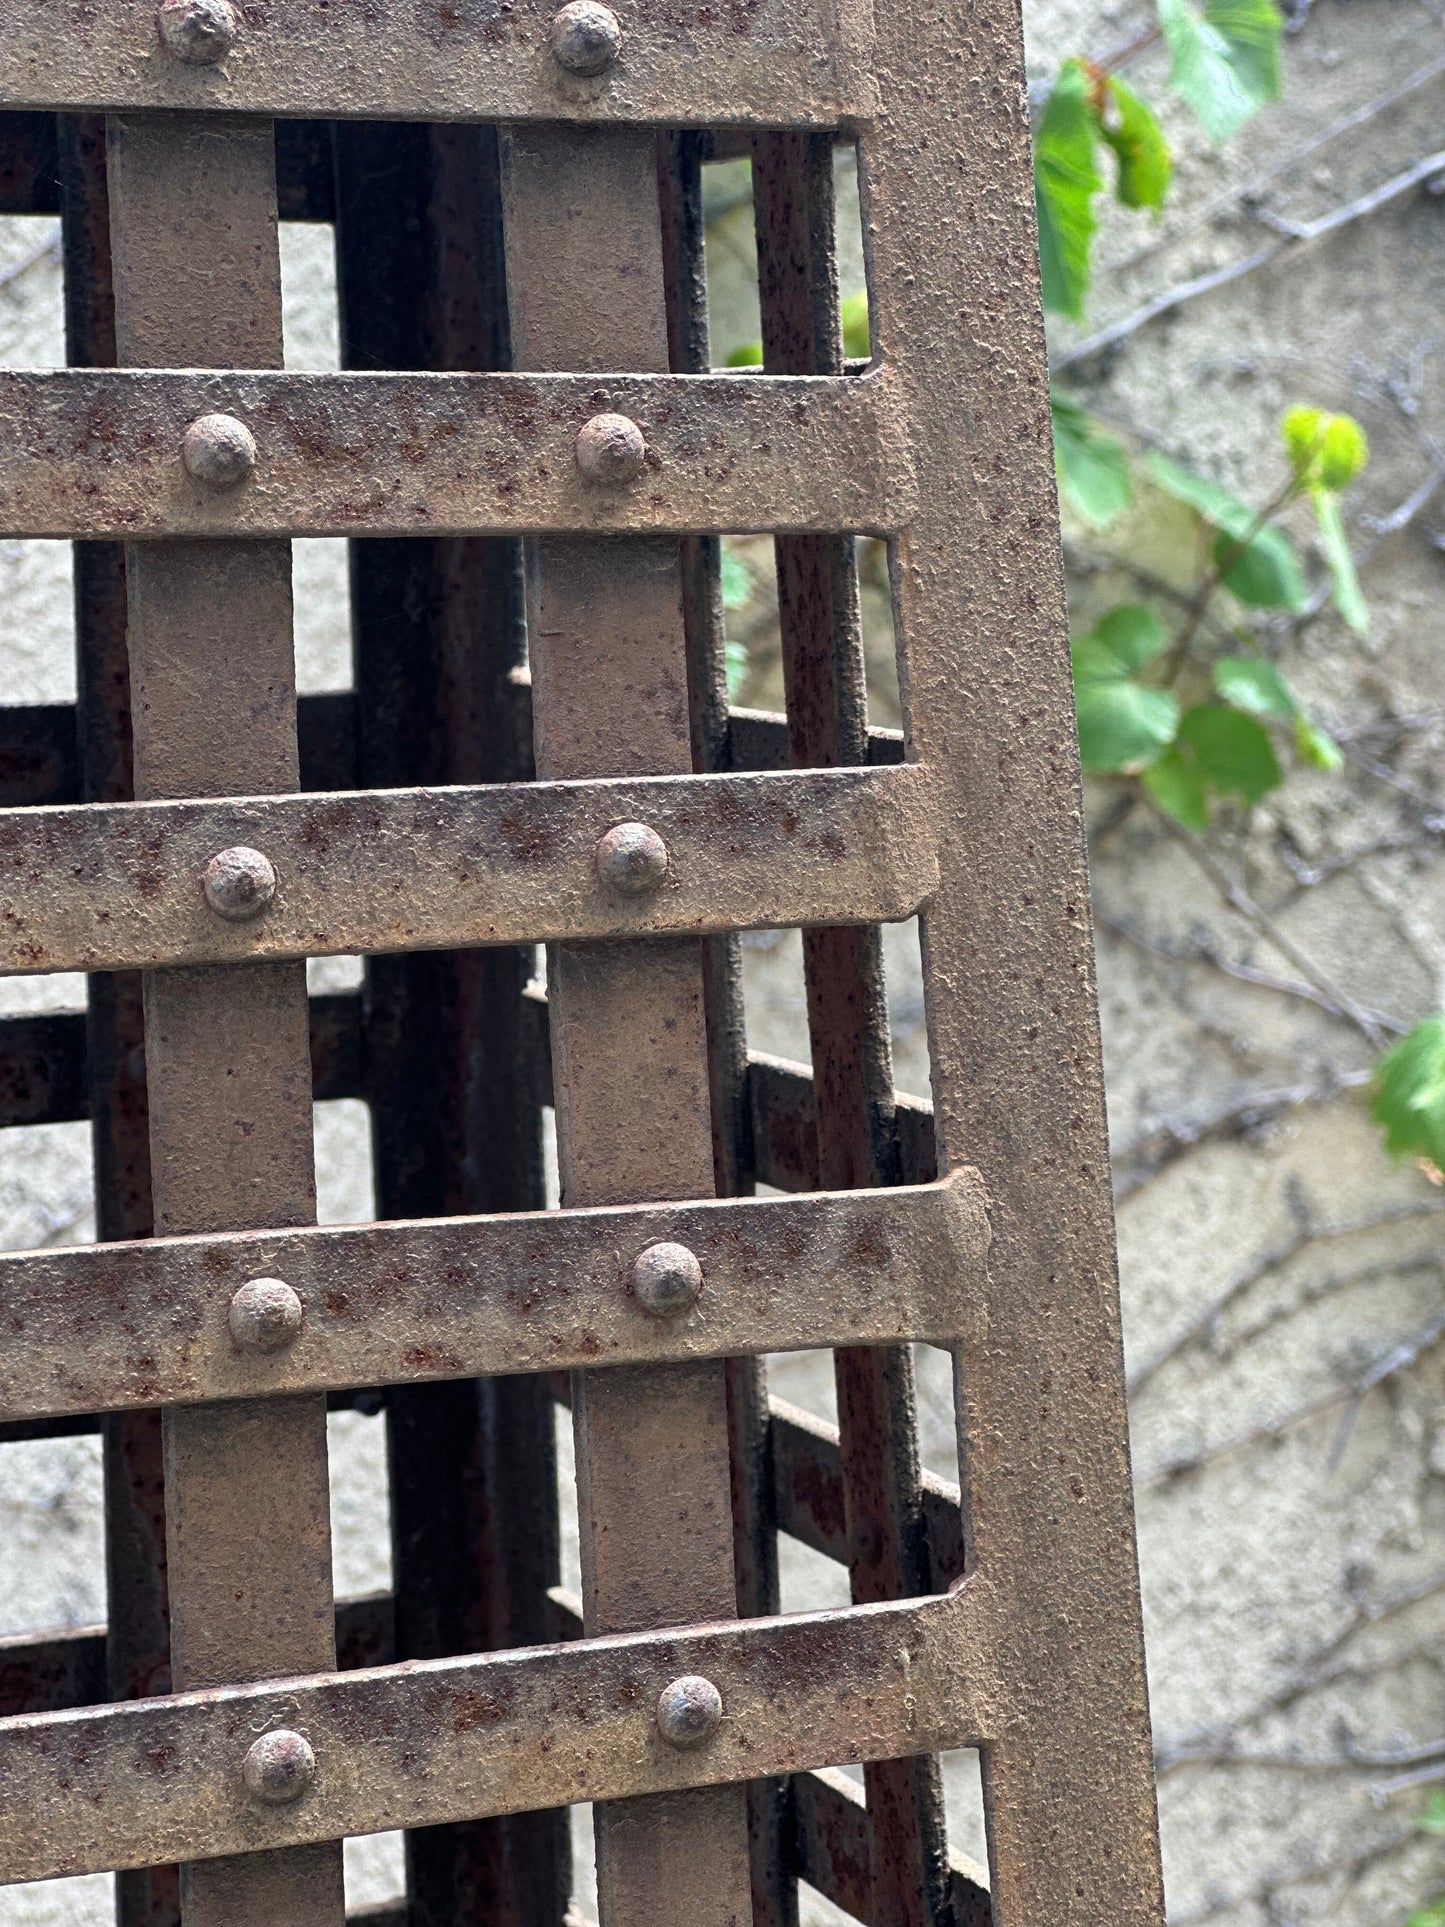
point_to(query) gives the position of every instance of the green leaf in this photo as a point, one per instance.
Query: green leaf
(1409, 1098)
(1312, 745)
(750, 355)
(1432, 1820)
(1432, 1914)
(1092, 468)
(737, 581)
(1177, 786)
(1225, 58)
(857, 341)
(1145, 164)
(1121, 641)
(1123, 726)
(1349, 597)
(1266, 573)
(1246, 682)
(1065, 183)
(1231, 751)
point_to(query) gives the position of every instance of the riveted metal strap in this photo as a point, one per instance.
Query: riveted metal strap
(770, 64)
(416, 1745)
(89, 452)
(109, 887)
(111, 1326)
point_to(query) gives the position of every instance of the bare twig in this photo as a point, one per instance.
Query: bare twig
(1253, 189)
(1204, 1322)
(1239, 899)
(1395, 1361)
(1298, 235)
(48, 250)
(1162, 1147)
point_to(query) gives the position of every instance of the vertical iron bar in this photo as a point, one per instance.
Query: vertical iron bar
(630, 1055)
(455, 1126)
(755, 1530)
(823, 674)
(1008, 967)
(137, 1618)
(197, 282)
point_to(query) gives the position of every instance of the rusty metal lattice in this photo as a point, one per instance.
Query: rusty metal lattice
(533, 463)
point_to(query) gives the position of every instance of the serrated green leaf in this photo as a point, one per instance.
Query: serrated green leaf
(1224, 58)
(1092, 468)
(1348, 595)
(1123, 725)
(1125, 639)
(1065, 183)
(1177, 787)
(1145, 164)
(737, 583)
(1409, 1099)
(749, 355)
(1214, 503)
(1231, 751)
(1314, 746)
(1265, 573)
(857, 340)
(1249, 683)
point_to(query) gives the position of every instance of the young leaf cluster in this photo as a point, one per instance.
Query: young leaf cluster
(1224, 65)
(1132, 720)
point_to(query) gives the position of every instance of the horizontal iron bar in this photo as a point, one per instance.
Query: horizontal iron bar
(764, 65)
(120, 886)
(832, 1850)
(115, 1326)
(434, 1741)
(785, 1127)
(55, 1672)
(808, 1494)
(97, 453)
(758, 739)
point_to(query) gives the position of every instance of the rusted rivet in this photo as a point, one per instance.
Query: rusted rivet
(265, 1315)
(632, 859)
(586, 38)
(667, 1279)
(239, 883)
(610, 450)
(689, 1712)
(199, 32)
(218, 451)
(279, 1768)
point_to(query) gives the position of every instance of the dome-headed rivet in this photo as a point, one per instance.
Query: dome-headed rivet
(586, 38)
(632, 860)
(218, 451)
(666, 1279)
(689, 1712)
(610, 451)
(198, 32)
(239, 883)
(279, 1768)
(265, 1315)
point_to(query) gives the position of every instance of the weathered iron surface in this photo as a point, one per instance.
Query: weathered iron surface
(630, 1051)
(107, 1326)
(768, 64)
(99, 452)
(196, 275)
(436, 1740)
(108, 888)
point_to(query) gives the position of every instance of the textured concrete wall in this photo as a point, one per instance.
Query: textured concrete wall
(1294, 1564)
